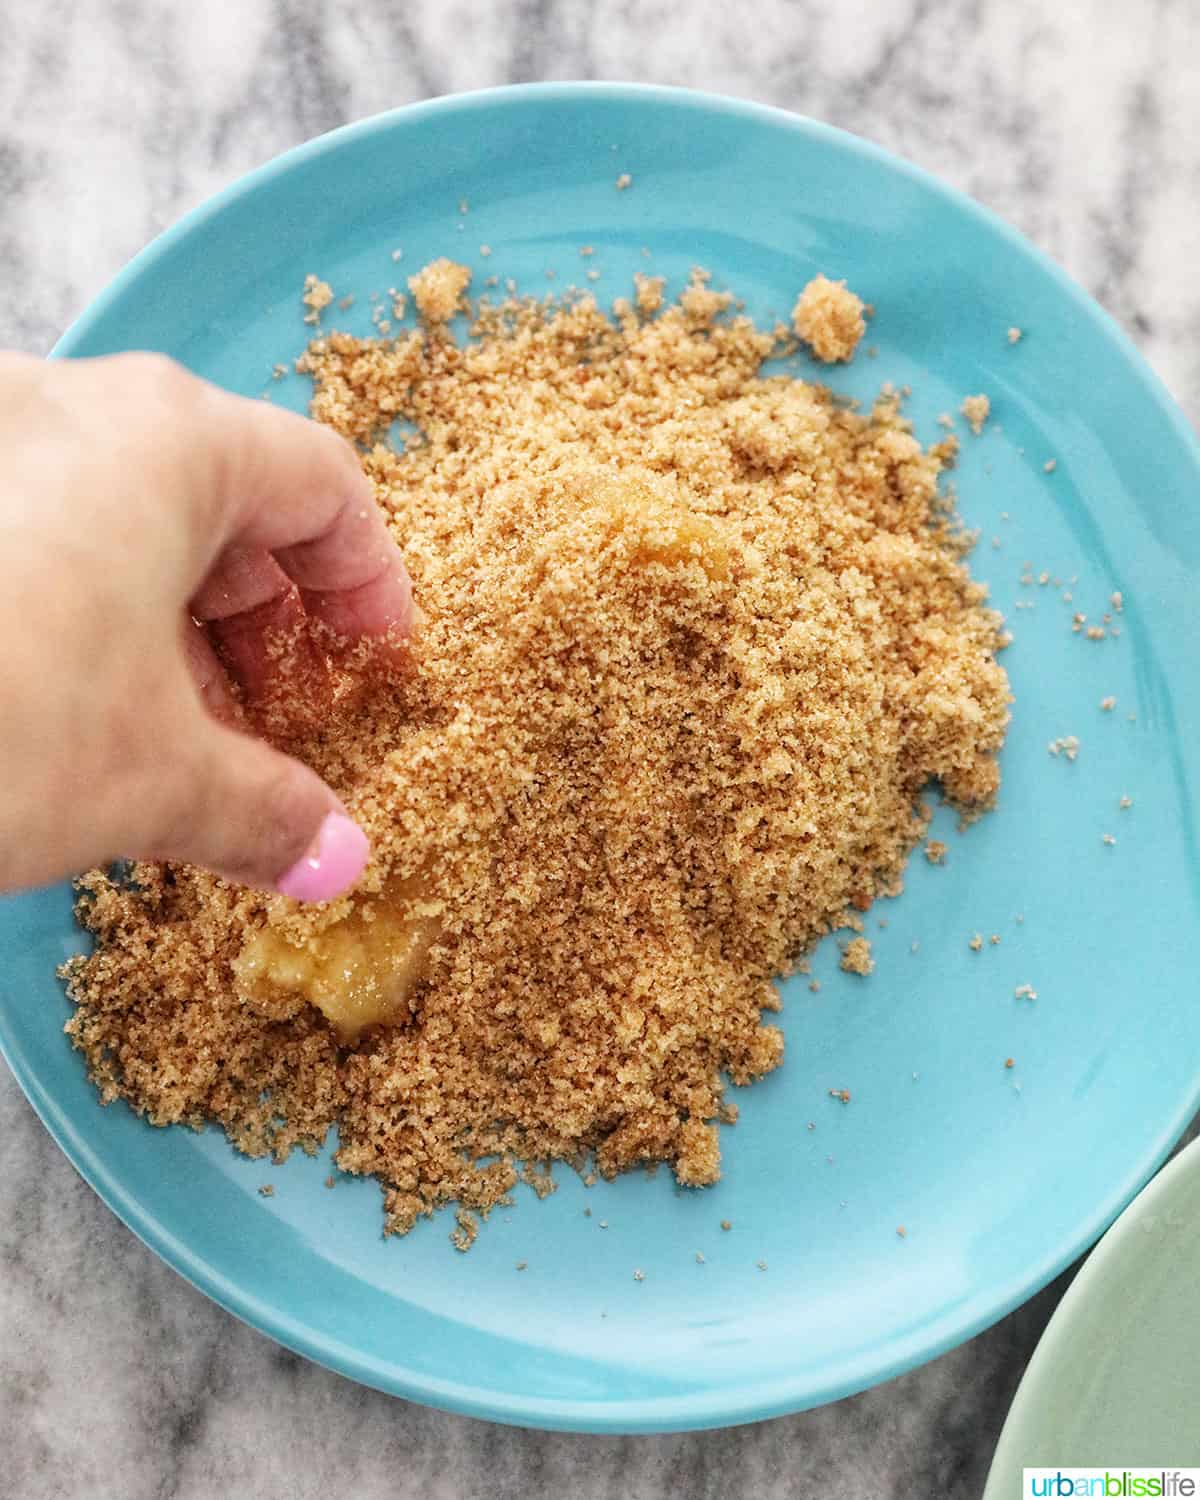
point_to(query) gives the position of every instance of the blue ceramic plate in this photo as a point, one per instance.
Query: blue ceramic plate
(1000, 1176)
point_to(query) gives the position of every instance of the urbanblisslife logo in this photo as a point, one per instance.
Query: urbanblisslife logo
(1112, 1483)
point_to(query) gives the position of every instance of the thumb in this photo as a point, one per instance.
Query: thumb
(259, 817)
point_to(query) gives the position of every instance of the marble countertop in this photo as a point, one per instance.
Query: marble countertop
(1077, 123)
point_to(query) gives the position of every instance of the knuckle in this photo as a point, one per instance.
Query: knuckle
(344, 457)
(159, 376)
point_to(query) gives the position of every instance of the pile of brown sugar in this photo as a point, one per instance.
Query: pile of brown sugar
(694, 641)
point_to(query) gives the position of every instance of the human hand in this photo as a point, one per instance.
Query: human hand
(135, 501)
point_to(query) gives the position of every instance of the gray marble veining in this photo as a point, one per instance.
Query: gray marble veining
(1079, 122)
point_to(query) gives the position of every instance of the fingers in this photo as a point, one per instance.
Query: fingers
(202, 470)
(285, 485)
(352, 575)
(208, 674)
(254, 815)
(256, 621)
(237, 472)
(298, 511)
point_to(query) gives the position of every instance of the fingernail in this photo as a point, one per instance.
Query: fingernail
(331, 864)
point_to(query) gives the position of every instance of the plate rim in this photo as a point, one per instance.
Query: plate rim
(746, 1402)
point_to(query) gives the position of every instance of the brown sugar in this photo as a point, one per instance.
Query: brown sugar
(856, 957)
(439, 289)
(976, 410)
(317, 296)
(829, 318)
(649, 292)
(694, 641)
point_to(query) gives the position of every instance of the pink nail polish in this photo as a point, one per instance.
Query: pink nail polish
(331, 864)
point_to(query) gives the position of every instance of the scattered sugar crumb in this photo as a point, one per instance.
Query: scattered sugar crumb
(1108, 704)
(1014, 335)
(726, 1223)
(317, 296)
(761, 1264)
(485, 251)
(639, 1276)
(279, 371)
(814, 985)
(1050, 465)
(1125, 802)
(1117, 600)
(1096, 632)
(976, 410)
(523, 1264)
(1067, 744)
(1025, 992)
(901, 1231)
(397, 254)
(699, 1258)
(935, 852)
(267, 1190)
(856, 958)
(586, 250)
(1109, 840)
(829, 318)
(440, 289)
(329, 1182)
(466, 1229)
(649, 294)
(624, 181)
(840, 1094)
(1009, 1063)
(976, 943)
